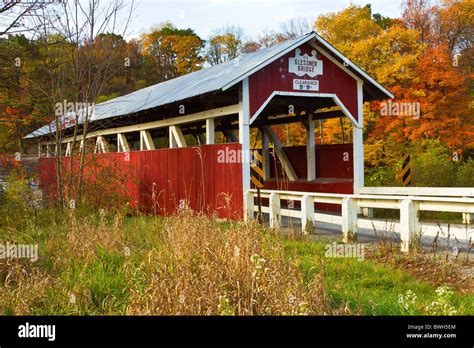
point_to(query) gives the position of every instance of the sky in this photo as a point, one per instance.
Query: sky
(254, 16)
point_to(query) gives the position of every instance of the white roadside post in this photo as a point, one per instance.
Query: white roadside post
(408, 223)
(275, 214)
(248, 206)
(307, 214)
(349, 219)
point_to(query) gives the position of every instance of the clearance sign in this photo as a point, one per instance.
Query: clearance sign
(302, 65)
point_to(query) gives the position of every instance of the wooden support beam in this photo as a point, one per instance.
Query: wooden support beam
(310, 150)
(244, 132)
(101, 145)
(122, 143)
(266, 156)
(278, 148)
(146, 141)
(173, 121)
(358, 144)
(176, 137)
(68, 149)
(210, 131)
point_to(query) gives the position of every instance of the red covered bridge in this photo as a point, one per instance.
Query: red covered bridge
(190, 140)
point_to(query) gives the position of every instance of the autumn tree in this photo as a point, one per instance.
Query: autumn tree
(224, 44)
(170, 52)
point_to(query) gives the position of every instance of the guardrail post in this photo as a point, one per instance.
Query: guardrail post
(368, 212)
(408, 223)
(467, 218)
(248, 206)
(307, 214)
(275, 210)
(349, 219)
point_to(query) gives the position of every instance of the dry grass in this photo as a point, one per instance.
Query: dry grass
(206, 269)
(182, 265)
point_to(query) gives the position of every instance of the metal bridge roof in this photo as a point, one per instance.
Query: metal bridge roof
(215, 78)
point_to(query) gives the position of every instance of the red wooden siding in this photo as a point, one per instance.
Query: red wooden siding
(158, 180)
(275, 77)
(330, 162)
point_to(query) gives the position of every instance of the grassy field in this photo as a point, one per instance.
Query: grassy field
(99, 264)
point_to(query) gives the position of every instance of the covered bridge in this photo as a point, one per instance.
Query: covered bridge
(189, 140)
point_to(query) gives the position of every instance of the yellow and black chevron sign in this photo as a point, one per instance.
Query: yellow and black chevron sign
(257, 169)
(406, 173)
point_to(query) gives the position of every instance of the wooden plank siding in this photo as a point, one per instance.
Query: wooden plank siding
(158, 180)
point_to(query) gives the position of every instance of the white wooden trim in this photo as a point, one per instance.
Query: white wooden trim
(210, 131)
(176, 137)
(244, 132)
(346, 111)
(289, 94)
(358, 143)
(146, 141)
(310, 150)
(213, 113)
(278, 148)
(333, 96)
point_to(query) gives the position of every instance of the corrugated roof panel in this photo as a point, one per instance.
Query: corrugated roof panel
(191, 85)
(217, 77)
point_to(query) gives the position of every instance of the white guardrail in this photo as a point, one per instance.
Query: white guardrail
(386, 198)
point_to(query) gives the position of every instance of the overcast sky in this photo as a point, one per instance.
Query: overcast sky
(252, 15)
